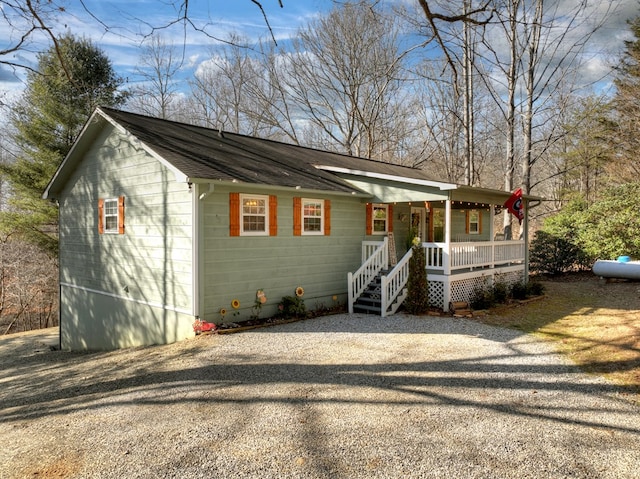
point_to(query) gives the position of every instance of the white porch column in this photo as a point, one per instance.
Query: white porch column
(492, 235)
(447, 221)
(447, 238)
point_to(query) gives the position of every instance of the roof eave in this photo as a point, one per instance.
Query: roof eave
(383, 176)
(356, 193)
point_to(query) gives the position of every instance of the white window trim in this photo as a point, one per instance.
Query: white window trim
(322, 206)
(266, 215)
(477, 223)
(373, 219)
(115, 229)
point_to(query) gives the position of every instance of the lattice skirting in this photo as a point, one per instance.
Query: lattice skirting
(463, 287)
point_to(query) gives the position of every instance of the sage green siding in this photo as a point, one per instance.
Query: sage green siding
(236, 267)
(138, 281)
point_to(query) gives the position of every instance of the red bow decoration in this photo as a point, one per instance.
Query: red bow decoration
(515, 206)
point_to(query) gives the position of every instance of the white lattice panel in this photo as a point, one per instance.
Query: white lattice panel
(463, 290)
(510, 278)
(436, 294)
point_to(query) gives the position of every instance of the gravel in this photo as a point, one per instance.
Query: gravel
(333, 397)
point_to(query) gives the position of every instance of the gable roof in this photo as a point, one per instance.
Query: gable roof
(202, 154)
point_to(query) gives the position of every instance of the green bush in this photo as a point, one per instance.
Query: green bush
(292, 307)
(552, 254)
(519, 290)
(611, 226)
(417, 301)
(483, 298)
(500, 292)
(535, 288)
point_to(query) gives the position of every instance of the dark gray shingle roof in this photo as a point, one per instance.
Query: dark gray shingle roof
(204, 153)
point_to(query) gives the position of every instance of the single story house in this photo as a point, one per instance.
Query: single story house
(162, 223)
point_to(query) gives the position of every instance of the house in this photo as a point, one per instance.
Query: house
(162, 223)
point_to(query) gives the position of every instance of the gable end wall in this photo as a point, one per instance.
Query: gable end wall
(131, 289)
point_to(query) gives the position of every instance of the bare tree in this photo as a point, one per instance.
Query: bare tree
(28, 286)
(158, 66)
(346, 76)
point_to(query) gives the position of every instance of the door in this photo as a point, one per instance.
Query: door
(419, 222)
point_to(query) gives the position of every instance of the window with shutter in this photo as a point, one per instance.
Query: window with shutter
(111, 215)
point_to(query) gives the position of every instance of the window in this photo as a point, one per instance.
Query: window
(111, 215)
(255, 215)
(474, 222)
(380, 217)
(312, 217)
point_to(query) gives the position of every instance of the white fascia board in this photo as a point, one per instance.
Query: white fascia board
(180, 176)
(261, 186)
(383, 176)
(47, 192)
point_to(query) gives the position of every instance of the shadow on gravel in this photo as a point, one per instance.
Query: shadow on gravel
(40, 384)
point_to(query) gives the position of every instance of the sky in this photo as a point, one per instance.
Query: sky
(119, 26)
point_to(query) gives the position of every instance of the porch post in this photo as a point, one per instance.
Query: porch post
(447, 237)
(492, 235)
(447, 221)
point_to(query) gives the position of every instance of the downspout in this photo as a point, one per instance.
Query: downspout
(194, 189)
(199, 194)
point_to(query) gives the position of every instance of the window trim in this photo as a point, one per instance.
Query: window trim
(319, 232)
(118, 229)
(478, 223)
(265, 198)
(114, 216)
(385, 207)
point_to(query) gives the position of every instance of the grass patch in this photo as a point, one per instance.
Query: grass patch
(595, 323)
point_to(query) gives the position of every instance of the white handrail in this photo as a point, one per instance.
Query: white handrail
(393, 292)
(359, 281)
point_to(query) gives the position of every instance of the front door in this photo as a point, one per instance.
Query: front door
(419, 222)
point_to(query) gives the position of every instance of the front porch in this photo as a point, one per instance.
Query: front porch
(455, 271)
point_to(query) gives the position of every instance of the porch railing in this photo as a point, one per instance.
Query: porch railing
(448, 257)
(393, 286)
(377, 259)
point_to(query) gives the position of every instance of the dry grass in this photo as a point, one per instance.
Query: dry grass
(594, 322)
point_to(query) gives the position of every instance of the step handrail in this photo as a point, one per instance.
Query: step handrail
(393, 284)
(359, 281)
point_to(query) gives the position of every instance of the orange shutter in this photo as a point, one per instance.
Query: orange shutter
(100, 216)
(234, 214)
(467, 219)
(121, 215)
(389, 218)
(327, 217)
(273, 215)
(369, 218)
(297, 216)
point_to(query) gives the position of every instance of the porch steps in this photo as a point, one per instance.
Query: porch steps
(370, 301)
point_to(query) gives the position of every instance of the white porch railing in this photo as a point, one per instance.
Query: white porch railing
(393, 286)
(448, 257)
(375, 256)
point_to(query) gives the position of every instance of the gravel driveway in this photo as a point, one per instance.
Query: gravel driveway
(333, 397)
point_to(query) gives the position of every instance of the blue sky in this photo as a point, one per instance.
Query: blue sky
(118, 28)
